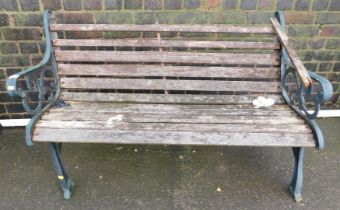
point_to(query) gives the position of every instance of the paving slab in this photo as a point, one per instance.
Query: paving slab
(168, 177)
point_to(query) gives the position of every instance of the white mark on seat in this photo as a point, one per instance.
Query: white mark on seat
(117, 118)
(263, 102)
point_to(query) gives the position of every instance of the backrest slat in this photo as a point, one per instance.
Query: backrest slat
(163, 28)
(138, 70)
(166, 43)
(167, 57)
(160, 84)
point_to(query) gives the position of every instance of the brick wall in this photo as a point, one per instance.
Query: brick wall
(313, 24)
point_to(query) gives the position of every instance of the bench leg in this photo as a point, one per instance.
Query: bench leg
(65, 182)
(296, 183)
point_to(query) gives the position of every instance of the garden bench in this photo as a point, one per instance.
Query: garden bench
(170, 85)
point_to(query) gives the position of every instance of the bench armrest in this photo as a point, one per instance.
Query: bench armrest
(297, 83)
(302, 79)
(295, 93)
(36, 79)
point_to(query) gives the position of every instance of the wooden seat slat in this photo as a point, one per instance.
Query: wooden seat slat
(163, 28)
(169, 107)
(221, 112)
(168, 137)
(243, 128)
(160, 84)
(172, 118)
(167, 57)
(166, 99)
(166, 43)
(166, 71)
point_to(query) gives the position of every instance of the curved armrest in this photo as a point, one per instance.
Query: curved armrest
(326, 85)
(36, 83)
(12, 81)
(297, 82)
(35, 78)
(294, 92)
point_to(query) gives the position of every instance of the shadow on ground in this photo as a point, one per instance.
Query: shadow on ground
(168, 177)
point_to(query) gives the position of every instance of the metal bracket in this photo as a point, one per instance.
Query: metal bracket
(60, 104)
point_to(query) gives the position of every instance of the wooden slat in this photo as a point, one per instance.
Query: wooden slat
(111, 108)
(166, 71)
(297, 64)
(166, 99)
(242, 128)
(168, 137)
(168, 57)
(159, 84)
(221, 112)
(170, 118)
(166, 43)
(162, 28)
(169, 107)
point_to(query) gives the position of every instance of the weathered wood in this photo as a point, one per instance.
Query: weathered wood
(182, 119)
(166, 71)
(166, 43)
(297, 64)
(158, 35)
(160, 84)
(90, 105)
(166, 99)
(233, 128)
(54, 34)
(170, 118)
(178, 138)
(168, 57)
(221, 112)
(169, 107)
(163, 28)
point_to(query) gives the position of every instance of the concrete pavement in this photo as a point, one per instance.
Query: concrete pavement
(173, 177)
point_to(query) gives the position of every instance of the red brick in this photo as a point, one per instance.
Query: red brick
(153, 4)
(52, 4)
(75, 17)
(21, 34)
(92, 4)
(265, 4)
(299, 18)
(210, 4)
(330, 31)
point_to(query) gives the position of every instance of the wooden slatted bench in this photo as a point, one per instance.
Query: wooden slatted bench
(169, 84)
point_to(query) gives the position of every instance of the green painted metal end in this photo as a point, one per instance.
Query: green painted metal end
(296, 196)
(68, 189)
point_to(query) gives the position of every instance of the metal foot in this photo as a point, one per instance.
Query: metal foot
(66, 183)
(296, 183)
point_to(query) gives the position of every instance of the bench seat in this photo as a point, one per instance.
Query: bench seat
(135, 123)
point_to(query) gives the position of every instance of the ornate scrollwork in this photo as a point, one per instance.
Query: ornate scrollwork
(297, 94)
(41, 85)
(38, 83)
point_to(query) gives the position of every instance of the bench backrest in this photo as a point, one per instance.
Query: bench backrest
(160, 63)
